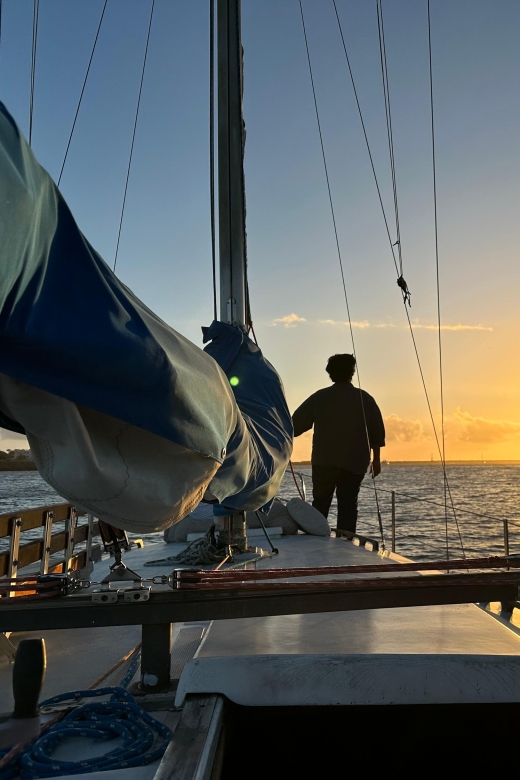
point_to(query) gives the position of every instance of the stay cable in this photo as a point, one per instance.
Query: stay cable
(134, 132)
(340, 259)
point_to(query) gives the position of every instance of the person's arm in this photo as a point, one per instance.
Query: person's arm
(376, 461)
(303, 417)
(377, 439)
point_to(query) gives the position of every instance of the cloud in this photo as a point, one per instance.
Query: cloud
(290, 320)
(12, 441)
(363, 324)
(416, 325)
(478, 430)
(11, 435)
(400, 430)
(450, 327)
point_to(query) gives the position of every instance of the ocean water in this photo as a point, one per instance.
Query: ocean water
(483, 496)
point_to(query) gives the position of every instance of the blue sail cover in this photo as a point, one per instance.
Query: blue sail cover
(70, 330)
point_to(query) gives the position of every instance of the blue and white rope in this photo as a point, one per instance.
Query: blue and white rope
(144, 738)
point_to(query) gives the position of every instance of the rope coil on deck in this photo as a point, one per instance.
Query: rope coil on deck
(144, 738)
(199, 552)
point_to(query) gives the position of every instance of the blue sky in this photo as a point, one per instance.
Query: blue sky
(164, 254)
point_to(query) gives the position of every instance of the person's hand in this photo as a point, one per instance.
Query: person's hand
(375, 468)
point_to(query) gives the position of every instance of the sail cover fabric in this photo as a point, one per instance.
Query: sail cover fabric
(125, 417)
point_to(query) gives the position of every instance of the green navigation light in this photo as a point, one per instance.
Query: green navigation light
(234, 381)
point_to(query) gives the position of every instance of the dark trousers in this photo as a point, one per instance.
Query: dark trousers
(326, 480)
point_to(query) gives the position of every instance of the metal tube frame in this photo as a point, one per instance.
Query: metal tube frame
(47, 533)
(16, 528)
(71, 528)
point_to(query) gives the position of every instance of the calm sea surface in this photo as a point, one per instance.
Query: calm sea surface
(491, 492)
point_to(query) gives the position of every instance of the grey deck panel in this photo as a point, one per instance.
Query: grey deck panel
(453, 629)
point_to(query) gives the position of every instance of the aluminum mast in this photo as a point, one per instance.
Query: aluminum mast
(231, 138)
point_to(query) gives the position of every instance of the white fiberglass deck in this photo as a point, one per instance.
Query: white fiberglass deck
(432, 654)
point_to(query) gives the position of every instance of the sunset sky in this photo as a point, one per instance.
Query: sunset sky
(297, 299)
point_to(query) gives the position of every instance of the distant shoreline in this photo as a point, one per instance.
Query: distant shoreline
(23, 465)
(17, 465)
(436, 463)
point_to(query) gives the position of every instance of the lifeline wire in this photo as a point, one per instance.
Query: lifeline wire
(133, 133)
(391, 244)
(340, 261)
(434, 172)
(82, 91)
(36, 10)
(212, 149)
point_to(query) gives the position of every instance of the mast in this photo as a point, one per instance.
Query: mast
(231, 137)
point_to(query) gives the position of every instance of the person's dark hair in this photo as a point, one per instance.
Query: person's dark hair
(341, 368)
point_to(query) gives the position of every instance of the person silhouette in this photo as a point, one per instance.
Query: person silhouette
(348, 435)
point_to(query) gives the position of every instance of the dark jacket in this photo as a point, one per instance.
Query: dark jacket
(340, 432)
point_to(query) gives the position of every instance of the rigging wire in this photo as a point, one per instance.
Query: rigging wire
(388, 113)
(391, 245)
(437, 274)
(212, 150)
(366, 138)
(298, 488)
(338, 248)
(0, 24)
(134, 131)
(36, 11)
(82, 91)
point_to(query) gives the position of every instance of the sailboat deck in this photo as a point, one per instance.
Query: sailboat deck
(434, 654)
(396, 655)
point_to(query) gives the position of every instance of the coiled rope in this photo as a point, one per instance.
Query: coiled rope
(147, 736)
(199, 552)
(144, 738)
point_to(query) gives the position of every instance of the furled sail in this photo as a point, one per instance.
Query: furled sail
(125, 417)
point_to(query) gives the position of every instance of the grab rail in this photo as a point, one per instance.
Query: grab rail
(20, 555)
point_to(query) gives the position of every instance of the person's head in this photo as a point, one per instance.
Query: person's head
(341, 368)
